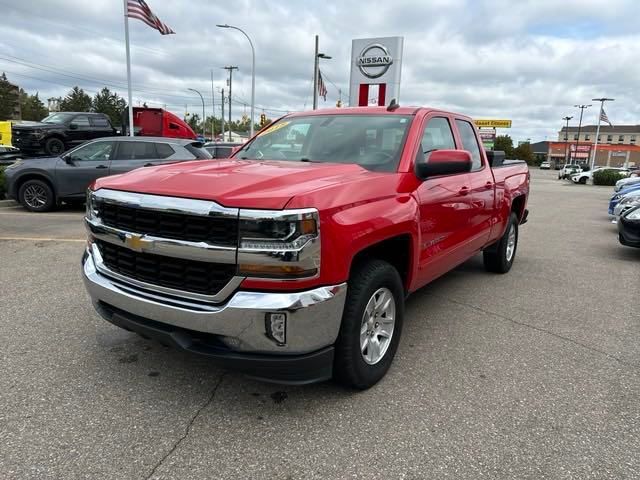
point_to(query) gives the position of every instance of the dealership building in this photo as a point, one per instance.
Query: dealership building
(618, 145)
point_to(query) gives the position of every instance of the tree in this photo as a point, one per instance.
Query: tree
(111, 104)
(504, 143)
(8, 98)
(524, 152)
(194, 122)
(76, 101)
(32, 107)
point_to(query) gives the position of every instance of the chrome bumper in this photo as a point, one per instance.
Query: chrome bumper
(313, 316)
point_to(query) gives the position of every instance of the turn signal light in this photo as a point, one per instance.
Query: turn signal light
(276, 271)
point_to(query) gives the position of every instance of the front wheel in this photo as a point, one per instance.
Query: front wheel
(499, 257)
(54, 147)
(582, 181)
(371, 325)
(37, 196)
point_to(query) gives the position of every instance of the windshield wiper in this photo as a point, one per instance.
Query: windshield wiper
(305, 159)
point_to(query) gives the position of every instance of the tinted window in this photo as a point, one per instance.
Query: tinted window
(198, 152)
(96, 151)
(136, 151)
(164, 150)
(223, 152)
(372, 141)
(99, 122)
(470, 143)
(437, 135)
(81, 121)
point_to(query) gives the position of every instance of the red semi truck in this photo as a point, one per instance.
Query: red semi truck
(292, 260)
(157, 122)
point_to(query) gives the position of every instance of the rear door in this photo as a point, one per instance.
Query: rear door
(481, 184)
(80, 129)
(136, 154)
(101, 127)
(445, 206)
(83, 165)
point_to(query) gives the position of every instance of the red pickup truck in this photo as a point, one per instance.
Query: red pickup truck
(292, 260)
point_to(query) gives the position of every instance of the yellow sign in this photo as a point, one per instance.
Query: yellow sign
(493, 123)
(275, 128)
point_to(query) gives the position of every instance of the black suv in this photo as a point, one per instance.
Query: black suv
(60, 132)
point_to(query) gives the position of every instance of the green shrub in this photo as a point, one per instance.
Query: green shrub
(3, 187)
(607, 177)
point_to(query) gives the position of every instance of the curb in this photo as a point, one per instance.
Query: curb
(8, 203)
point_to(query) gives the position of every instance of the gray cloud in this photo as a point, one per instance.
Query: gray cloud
(528, 61)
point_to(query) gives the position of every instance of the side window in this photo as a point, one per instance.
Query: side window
(81, 120)
(223, 152)
(437, 135)
(164, 150)
(99, 122)
(136, 151)
(470, 143)
(93, 152)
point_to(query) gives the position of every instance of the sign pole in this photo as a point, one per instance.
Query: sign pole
(126, 40)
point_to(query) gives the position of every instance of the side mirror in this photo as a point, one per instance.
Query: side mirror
(68, 159)
(443, 162)
(73, 126)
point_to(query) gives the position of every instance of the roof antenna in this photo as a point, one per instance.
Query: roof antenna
(393, 105)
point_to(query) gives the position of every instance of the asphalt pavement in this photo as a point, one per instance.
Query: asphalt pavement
(533, 374)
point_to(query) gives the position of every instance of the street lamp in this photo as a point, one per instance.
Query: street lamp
(201, 98)
(316, 73)
(253, 72)
(595, 147)
(566, 140)
(581, 107)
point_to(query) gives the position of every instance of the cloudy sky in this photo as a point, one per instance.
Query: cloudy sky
(529, 61)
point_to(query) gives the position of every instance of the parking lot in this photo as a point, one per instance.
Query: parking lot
(534, 374)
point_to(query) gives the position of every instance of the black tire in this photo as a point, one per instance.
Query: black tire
(496, 258)
(54, 146)
(582, 181)
(37, 196)
(350, 367)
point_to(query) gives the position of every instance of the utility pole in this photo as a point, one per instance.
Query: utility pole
(566, 140)
(203, 119)
(316, 73)
(595, 147)
(222, 116)
(231, 69)
(213, 111)
(581, 107)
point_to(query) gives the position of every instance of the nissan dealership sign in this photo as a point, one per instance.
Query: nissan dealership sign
(375, 70)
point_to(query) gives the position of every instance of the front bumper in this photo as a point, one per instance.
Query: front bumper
(629, 232)
(233, 333)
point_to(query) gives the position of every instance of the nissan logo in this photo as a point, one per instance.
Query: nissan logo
(374, 60)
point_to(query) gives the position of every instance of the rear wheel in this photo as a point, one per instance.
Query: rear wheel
(371, 325)
(499, 257)
(36, 196)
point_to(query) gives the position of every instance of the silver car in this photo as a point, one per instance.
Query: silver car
(40, 184)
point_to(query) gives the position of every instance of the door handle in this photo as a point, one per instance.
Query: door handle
(488, 185)
(464, 191)
(101, 167)
(149, 165)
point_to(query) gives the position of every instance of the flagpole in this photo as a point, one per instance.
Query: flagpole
(595, 146)
(126, 39)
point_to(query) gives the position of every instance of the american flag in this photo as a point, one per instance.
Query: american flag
(322, 89)
(604, 118)
(140, 10)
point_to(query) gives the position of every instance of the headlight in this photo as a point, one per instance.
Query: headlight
(633, 214)
(279, 244)
(14, 164)
(630, 200)
(616, 197)
(91, 212)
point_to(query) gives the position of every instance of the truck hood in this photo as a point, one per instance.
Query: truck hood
(236, 183)
(26, 125)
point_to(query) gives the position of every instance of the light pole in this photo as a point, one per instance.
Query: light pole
(581, 107)
(253, 73)
(213, 111)
(566, 139)
(316, 70)
(231, 69)
(595, 147)
(201, 98)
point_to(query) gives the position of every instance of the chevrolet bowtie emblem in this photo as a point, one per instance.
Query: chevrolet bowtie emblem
(136, 242)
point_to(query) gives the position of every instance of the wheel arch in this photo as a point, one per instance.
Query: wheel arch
(34, 176)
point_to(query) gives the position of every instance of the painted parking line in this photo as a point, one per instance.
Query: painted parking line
(40, 239)
(65, 215)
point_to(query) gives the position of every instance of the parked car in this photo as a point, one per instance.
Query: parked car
(629, 201)
(622, 194)
(634, 179)
(60, 131)
(291, 261)
(629, 228)
(584, 177)
(41, 183)
(545, 166)
(569, 169)
(221, 149)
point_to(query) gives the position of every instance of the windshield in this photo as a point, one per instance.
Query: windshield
(58, 118)
(371, 141)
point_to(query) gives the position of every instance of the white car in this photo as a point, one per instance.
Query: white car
(569, 169)
(627, 182)
(584, 177)
(545, 166)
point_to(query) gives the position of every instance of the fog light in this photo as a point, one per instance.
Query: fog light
(276, 326)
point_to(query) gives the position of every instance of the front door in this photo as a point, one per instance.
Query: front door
(80, 130)
(445, 206)
(79, 167)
